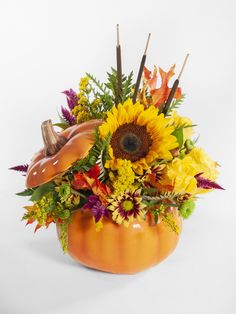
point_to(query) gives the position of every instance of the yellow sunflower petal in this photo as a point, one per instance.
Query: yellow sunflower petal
(157, 127)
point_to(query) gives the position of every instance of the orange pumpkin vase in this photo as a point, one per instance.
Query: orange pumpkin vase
(115, 248)
(119, 249)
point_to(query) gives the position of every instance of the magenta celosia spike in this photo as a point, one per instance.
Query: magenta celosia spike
(68, 116)
(20, 168)
(72, 98)
(206, 183)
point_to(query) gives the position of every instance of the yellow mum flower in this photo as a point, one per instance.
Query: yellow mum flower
(139, 135)
(178, 121)
(180, 173)
(204, 163)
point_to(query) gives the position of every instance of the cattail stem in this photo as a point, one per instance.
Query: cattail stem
(119, 67)
(170, 97)
(174, 88)
(53, 142)
(141, 70)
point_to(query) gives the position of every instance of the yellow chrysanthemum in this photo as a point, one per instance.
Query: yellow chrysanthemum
(204, 163)
(177, 121)
(138, 135)
(180, 173)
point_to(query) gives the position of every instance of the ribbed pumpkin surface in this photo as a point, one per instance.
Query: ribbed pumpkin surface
(118, 249)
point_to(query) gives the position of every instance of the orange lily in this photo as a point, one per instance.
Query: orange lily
(90, 181)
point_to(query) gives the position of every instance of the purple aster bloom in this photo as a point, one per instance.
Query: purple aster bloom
(68, 116)
(97, 208)
(206, 183)
(72, 98)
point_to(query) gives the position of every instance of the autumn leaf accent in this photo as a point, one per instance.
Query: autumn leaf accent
(207, 184)
(32, 215)
(160, 95)
(150, 78)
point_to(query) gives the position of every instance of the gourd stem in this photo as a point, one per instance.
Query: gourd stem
(53, 142)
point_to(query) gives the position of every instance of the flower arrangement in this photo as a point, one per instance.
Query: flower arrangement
(142, 159)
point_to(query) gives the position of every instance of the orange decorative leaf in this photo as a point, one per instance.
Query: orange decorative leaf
(29, 222)
(49, 221)
(147, 73)
(159, 95)
(150, 78)
(37, 227)
(31, 208)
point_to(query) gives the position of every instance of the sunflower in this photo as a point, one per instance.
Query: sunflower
(126, 207)
(139, 135)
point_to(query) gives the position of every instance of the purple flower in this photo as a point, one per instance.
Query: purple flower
(68, 116)
(20, 168)
(72, 98)
(97, 208)
(206, 183)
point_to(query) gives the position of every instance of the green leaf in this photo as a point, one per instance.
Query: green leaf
(103, 94)
(127, 87)
(155, 215)
(148, 191)
(62, 125)
(41, 191)
(175, 105)
(97, 83)
(27, 192)
(178, 133)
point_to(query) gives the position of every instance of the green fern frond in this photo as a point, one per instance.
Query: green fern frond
(127, 87)
(176, 103)
(170, 196)
(101, 145)
(100, 86)
(127, 84)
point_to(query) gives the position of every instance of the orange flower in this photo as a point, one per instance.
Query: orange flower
(91, 182)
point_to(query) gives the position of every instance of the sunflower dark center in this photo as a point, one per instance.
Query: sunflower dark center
(131, 141)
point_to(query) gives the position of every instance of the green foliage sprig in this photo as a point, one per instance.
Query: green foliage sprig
(176, 103)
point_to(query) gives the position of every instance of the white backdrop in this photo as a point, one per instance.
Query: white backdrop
(46, 46)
